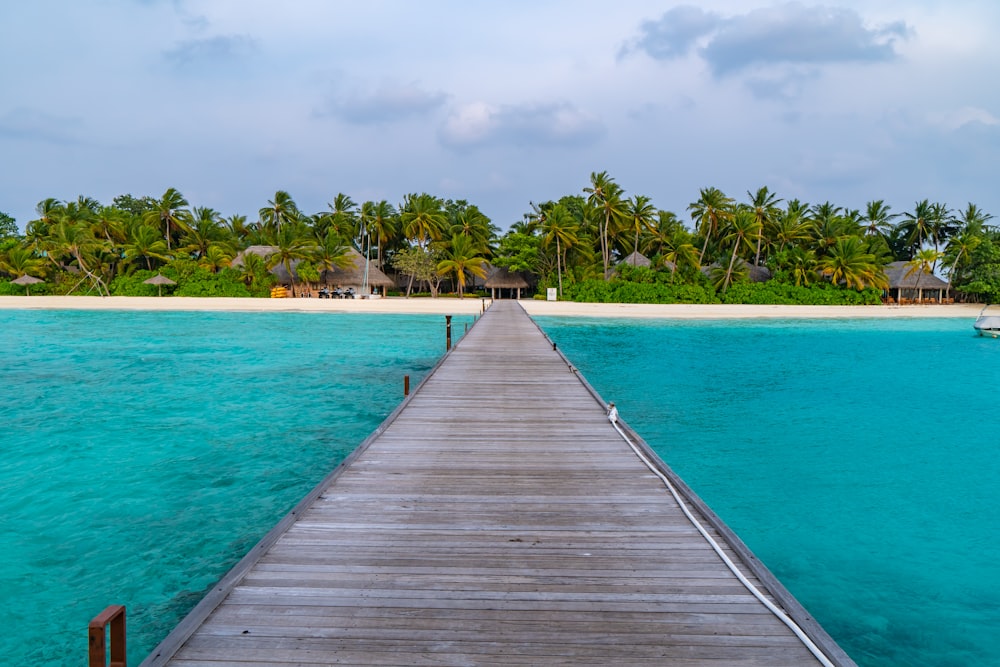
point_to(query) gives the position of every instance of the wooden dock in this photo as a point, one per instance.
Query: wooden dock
(496, 517)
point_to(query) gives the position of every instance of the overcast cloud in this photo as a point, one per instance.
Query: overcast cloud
(498, 103)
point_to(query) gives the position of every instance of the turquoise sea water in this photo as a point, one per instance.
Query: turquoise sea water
(857, 458)
(142, 454)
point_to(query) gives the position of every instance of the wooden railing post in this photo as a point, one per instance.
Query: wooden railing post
(447, 326)
(98, 650)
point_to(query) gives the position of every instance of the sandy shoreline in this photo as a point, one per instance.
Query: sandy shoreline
(472, 306)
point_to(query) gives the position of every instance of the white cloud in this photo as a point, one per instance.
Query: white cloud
(787, 34)
(480, 124)
(959, 118)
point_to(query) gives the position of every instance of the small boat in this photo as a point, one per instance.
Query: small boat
(987, 325)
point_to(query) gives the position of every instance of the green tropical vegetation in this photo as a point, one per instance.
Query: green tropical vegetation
(599, 244)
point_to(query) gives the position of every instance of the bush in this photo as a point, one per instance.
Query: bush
(192, 280)
(8, 288)
(819, 294)
(622, 291)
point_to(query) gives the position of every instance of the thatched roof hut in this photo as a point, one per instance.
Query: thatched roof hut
(636, 259)
(352, 275)
(501, 279)
(907, 283)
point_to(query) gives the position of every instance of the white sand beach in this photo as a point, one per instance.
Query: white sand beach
(472, 306)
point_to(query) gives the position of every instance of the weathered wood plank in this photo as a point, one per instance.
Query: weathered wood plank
(497, 518)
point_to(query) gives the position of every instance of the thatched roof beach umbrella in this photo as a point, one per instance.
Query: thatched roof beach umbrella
(159, 281)
(26, 281)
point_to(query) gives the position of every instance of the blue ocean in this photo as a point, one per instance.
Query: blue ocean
(144, 453)
(858, 459)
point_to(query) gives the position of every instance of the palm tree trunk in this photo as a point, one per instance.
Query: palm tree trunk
(704, 248)
(291, 278)
(559, 263)
(729, 271)
(603, 233)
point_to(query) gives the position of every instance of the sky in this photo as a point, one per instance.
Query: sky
(498, 103)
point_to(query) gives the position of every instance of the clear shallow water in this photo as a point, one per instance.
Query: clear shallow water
(142, 454)
(858, 459)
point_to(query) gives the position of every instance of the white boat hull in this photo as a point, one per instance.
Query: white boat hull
(988, 325)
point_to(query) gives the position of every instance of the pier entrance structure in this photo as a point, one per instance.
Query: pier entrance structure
(499, 517)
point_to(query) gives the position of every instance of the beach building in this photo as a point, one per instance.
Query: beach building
(504, 284)
(908, 284)
(351, 276)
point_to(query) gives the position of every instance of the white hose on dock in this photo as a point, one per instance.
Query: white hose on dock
(782, 616)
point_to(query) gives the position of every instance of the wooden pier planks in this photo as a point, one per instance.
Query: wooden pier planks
(498, 519)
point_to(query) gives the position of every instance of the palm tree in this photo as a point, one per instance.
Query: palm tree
(923, 262)
(765, 210)
(801, 263)
(959, 250)
(109, 223)
(877, 219)
(422, 218)
(469, 221)
(740, 232)
(253, 266)
(848, 262)
(917, 225)
(236, 225)
(216, 257)
(344, 217)
(279, 211)
(144, 242)
(829, 225)
(461, 256)
(606, 195)
(384, 223)
(170, 212)
(792, 226)
(641, 216)
(680, 252)
(19, 261)
(332, 252)
(710, 212)
(293, 243)
(973, 219)
(942, 225)
(204, 230)
(560, 226)
(72, 238)
(656, 239)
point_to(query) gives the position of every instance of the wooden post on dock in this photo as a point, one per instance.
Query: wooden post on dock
(447, 326)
